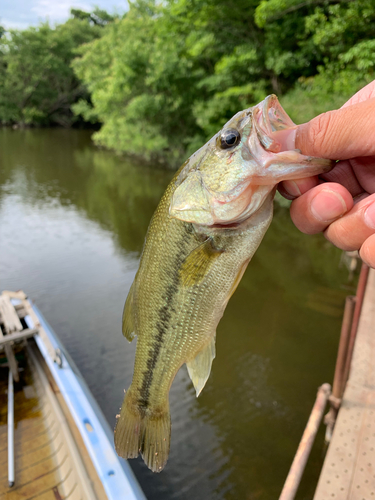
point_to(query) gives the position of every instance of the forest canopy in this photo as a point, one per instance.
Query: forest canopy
(166, 76)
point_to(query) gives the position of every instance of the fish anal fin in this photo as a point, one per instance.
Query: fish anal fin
(197, 264)
(127, 317)
(199, 368)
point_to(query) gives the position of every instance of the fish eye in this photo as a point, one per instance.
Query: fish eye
(229, 138)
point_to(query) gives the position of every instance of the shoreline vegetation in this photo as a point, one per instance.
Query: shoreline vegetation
(160, 80)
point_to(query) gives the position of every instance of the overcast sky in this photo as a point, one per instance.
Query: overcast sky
(23, 13)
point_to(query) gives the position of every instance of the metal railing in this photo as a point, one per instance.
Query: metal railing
(352, 311)
(298, 466)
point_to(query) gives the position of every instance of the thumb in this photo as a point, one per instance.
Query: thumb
(341, 134)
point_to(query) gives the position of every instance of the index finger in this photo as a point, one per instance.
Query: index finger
(341, 134)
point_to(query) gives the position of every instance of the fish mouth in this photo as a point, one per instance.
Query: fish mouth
(275, 129)
(272, 142)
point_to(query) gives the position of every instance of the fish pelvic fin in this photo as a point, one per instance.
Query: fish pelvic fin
(199, 368)
(198, 263)
(127, 316)
(146, 431)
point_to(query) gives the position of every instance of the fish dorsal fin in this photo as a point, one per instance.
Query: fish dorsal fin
(199, 368)
(127, 317)
(197, 264)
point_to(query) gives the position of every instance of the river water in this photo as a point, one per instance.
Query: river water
(72, 224)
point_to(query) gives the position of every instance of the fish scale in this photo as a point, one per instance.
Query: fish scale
(206, 228)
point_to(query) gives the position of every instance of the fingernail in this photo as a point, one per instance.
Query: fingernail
(291, 188)
(328, 205)
(370, 216)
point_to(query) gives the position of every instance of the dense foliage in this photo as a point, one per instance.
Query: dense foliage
(167, 75)
(37, 84)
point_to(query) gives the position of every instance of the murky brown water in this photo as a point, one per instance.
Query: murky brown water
(72, 224)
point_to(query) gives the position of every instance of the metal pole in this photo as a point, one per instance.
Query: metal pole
(361, 288)
(298, 466)
(10, 430)
(338, 384)
(338, 380)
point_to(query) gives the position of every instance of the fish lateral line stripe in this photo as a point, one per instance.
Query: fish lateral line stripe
(165, 313)
(154, 352)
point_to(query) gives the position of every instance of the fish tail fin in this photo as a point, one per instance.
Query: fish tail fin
(157, 438)
(128, 431)
(144, 431)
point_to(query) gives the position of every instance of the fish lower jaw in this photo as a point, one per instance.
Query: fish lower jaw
(234, 224)
(213, 222)
(208, 219)
(230, 225)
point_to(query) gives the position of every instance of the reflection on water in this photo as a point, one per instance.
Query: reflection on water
(72, 223)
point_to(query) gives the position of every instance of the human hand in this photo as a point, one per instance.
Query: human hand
(340, 203)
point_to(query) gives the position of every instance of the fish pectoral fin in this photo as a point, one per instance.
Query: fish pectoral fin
(199, 368)
(127, 317)
(197, 264)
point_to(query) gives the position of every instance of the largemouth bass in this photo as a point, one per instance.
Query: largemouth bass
(201, 238)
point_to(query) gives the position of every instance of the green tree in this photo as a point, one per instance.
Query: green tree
(141, 81)
(331, 50)
(165, 77)
(37, 84)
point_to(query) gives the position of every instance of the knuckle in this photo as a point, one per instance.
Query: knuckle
(340, 235)
(321, 133)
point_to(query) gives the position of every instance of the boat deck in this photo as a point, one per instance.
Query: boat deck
(45, 466)
(36, 447)
(349, 467)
